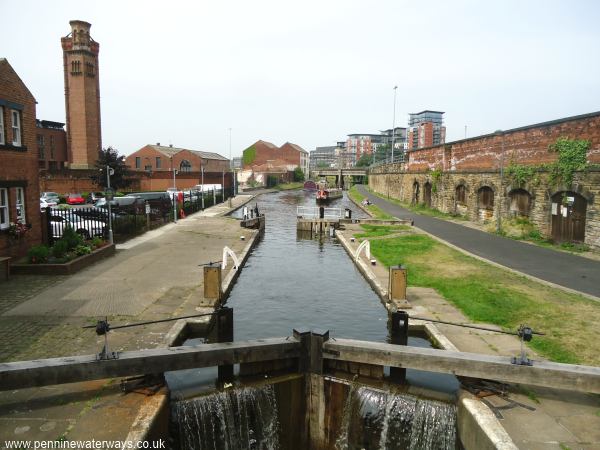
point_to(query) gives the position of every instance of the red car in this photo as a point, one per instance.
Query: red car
(75, 199)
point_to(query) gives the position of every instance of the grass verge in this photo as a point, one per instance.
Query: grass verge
(485, 293)
(376, 212)
(289, 186)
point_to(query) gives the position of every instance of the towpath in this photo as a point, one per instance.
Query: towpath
(154, 276)
(564, 269)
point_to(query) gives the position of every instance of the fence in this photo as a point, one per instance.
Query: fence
(127, 221)
(311, 212)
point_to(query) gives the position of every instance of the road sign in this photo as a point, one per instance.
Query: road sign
(147, 208)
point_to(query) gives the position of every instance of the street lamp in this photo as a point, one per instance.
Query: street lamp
(202, 170)
(394, 124)
(174, 192)
(109, 171)
(499, 210)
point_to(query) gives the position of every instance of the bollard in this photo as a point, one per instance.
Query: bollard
(212, 282)
(321, 212)
(397, 283)
(399, 336)
(225, 334)
(348, 213)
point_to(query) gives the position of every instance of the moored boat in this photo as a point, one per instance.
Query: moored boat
(325, 193)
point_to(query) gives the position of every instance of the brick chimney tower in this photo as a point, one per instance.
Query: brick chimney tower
(82, 96)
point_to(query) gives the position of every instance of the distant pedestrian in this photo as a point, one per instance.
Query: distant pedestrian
(256, 209)
(245, 212)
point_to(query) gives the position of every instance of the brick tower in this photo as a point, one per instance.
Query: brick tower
(82, 96)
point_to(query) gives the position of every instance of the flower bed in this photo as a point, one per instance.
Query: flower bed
(67, 268)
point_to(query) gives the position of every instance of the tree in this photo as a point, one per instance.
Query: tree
(110, 157)
(365, 160)
(298, 174)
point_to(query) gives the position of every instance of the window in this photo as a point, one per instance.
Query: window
(1, 125)
(148, 168)
(138, 162)
(40, 143)
(185, 166)
(4, 219)
(158, 162)
(51, 147)
(16, 127)
(20, 204)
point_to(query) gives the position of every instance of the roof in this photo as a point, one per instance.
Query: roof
(295, 147)
(364, 134)
(428, 111)
(171, 151)
(4, 62)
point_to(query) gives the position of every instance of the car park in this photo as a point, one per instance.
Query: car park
(75, 199)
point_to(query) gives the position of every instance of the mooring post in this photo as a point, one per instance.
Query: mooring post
(397, 284)
(321, 212)
(399, 335)
(225, 334)
(212, 282)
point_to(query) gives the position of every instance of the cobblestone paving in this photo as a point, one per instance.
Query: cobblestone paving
(20, 288)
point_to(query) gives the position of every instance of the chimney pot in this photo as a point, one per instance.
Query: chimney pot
(158, 143)
(171, 145)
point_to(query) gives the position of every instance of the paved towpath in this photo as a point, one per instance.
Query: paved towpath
(565, 269)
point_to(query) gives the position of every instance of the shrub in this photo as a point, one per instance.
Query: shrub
(97, 241)
(72, 238)
(60, 249)
(38, 254)
(81, 250)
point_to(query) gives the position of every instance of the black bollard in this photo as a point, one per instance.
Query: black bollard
(225, 334)
(399, 336)
(321, 212)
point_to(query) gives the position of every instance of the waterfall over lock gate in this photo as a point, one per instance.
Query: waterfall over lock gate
(379, 420)
(236, 419)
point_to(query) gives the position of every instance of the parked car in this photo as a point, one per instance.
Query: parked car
(47, 195)
(43, 204)
(75, 199)
(160, 202)
(87, 228)
(118, 202)
(93, 197)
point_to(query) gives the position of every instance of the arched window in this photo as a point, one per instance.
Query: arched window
(185, 166)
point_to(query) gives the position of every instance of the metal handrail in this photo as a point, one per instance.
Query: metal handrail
(312, 212)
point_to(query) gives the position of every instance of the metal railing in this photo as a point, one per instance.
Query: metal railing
(312, 212)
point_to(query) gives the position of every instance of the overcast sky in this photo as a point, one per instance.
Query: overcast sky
(311, 72)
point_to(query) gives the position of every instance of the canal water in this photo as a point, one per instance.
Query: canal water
(290, 282)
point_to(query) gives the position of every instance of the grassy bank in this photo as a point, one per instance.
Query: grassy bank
(289, 186)
(485, 293)
(375, 211)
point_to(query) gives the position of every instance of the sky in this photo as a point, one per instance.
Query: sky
(311, 72)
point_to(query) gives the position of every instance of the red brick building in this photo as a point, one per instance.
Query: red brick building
(19, 188)
(425, 129)
(82, 96)
(155, 163)
(51, 145)
(265, 153)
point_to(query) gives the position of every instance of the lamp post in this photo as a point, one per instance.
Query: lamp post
(232, 167)
(394, 124)
(109, 171)
(500, 195)
(202, 170)
(223, 187)
(174, 192)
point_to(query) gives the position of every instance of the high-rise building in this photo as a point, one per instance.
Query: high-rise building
(426, 129)
(82, 96)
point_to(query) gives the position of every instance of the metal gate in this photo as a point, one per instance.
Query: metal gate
(568, 217)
